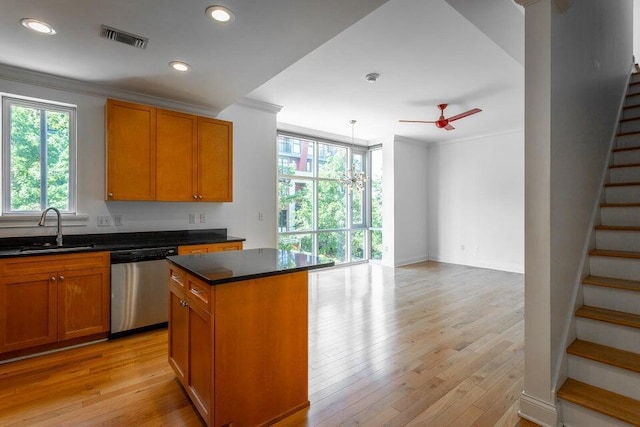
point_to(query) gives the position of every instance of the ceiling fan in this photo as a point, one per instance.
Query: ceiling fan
(443, 122)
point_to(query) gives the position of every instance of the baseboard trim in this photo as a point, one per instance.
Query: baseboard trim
(538, 411)
(512, 268)
(409, 261)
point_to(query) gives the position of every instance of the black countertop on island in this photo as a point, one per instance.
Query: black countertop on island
(224, 267)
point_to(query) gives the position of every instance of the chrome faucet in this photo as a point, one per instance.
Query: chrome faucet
(43, 218)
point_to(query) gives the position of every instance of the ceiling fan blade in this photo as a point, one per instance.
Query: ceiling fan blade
(414, 121)
(465, 114)
(449, 127)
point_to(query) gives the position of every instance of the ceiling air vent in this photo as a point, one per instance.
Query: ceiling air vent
(123, 37)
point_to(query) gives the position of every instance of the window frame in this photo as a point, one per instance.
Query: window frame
(6, 101)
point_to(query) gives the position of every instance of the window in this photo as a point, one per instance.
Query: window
(317, 213)
(38, 156)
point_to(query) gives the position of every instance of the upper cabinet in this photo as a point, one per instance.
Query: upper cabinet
(131, 151)
(190, 157)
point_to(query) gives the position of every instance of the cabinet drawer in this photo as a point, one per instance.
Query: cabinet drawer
(199, 293)
(46, 263)
(193, 249)
(177, 276)
(231, 246)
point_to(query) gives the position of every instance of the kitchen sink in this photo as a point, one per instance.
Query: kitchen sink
(48, 247)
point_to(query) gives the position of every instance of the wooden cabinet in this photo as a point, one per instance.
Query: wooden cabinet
(50, 299)
(180, 157)
(249, 367)
(130, 151)
(209, 247)
(191, 341)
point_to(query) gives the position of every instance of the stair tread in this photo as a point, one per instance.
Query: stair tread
(622, 184)
(615, 254)
(635, 147)
(610, 282)
(630, 119)
(631, 106)
(633, 132)
(610, 316)
(605, 354)
(625, 165)
(618, 227)
(606, 402)
(619, 205)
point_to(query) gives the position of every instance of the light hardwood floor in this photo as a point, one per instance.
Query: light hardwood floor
(431, 344)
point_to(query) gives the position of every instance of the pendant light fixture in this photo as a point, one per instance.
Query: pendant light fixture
(354, 178)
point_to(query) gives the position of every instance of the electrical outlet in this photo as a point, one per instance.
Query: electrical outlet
(117, 220)
(192, 218)
(104, 221)
(203, 218)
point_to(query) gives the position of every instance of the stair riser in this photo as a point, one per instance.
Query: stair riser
(618, 268)
(618, 240)
(635, 78)
(624, 141)
(626, 157)
(624, 194)
(633, 89)
(622, 337)
(631, 113)
(612, 299)
(608, 377)
(620, 216)
(576, 416)
(623, 175)
(631, 126)
(631, 100)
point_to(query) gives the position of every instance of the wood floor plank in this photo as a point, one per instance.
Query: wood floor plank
(426, 344)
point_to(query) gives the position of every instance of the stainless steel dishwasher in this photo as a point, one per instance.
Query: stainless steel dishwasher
(139, 289)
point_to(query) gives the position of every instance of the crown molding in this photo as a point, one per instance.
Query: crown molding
(563, 5)
(22, 75)
(259, 105)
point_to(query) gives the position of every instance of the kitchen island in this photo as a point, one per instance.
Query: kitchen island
(238, 338)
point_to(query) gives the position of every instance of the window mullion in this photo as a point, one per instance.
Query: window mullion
(43, 159)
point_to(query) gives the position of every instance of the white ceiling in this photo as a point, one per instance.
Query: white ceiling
(294, 53)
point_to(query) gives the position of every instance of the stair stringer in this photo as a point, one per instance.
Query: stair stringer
(570, 330)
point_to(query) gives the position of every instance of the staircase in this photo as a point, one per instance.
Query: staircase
(603, 388)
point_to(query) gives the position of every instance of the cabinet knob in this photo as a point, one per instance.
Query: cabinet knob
(200, 197)
(61, 277)
(110, 194)
(184, 303)
(53, 278)
(195, 197)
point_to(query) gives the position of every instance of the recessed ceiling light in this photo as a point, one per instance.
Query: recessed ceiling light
(220, 13)
(179, 66)
(372, 77)
(38, 26)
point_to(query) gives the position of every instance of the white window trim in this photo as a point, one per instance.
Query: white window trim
(14, 219)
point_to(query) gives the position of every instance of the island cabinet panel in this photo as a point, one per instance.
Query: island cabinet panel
(215, 160)
(176, 178)
(130, 151)
(249, 367)
(261, 346)
(53, 299)
(209, 247)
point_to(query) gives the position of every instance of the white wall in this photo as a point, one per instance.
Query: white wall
(254, 177)
(476, 202)
(405, 216)
(577, 65)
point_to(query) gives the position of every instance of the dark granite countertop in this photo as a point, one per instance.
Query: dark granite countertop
(224, 267)
(73, 243)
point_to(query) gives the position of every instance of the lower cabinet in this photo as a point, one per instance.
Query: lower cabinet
(191, 343)
(52, 299)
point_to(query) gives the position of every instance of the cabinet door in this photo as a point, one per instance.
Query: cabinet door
(201, 361)
(131, 151)
(176, 178)
(27, 311)
(83, 303)
(178, 335)
(215, 168)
